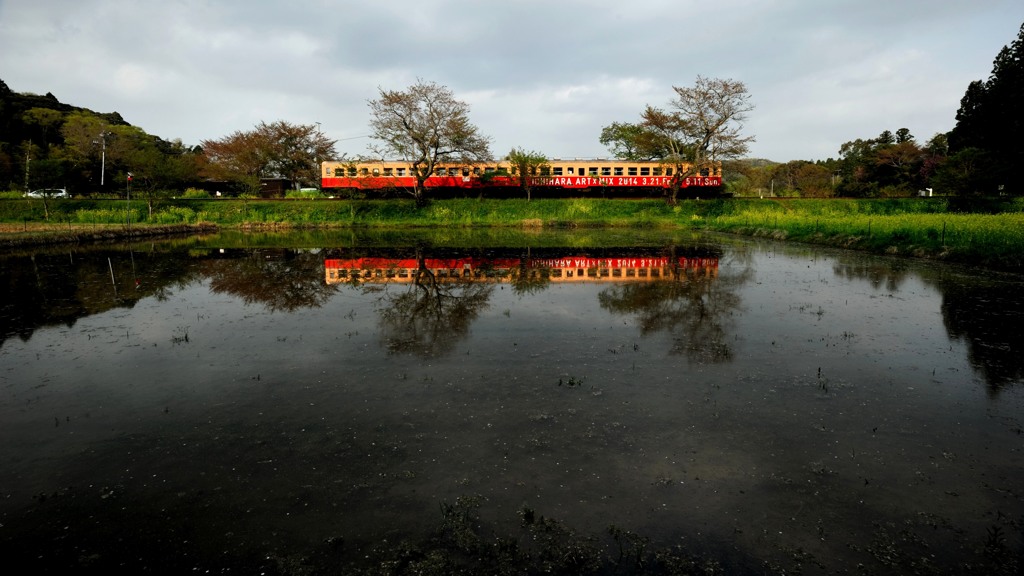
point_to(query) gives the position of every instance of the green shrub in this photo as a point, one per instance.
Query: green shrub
(175, 215)
(195, 193)
(304, 193)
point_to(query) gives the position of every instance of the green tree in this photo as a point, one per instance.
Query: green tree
(425, 126)
(802, 178)
(991, 119)
(84, 136)
(159, 168)
(958, 172)
(633, 141)
(526, 164)
(276, 150)
(891, 164)
(45, 119)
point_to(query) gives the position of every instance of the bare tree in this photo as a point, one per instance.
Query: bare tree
(701, 126)
(425, 125)
(432, 314)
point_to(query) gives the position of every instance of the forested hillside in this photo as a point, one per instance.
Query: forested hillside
(45, 143)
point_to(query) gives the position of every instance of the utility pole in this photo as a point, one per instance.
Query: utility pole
(28, 159)
(103, 155)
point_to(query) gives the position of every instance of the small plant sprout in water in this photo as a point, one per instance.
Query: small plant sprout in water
(180, 335)
(572, 382)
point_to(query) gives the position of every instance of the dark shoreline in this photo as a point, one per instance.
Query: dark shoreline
(54, 237)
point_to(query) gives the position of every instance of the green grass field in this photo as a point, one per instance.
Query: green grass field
(987, 232)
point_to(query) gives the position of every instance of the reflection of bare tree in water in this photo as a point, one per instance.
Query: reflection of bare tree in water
(432, 314)
(281, 280)
(694, 305)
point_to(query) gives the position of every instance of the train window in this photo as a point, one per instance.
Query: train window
(545, 171)
(668, 171)
(476, 170)
(557, 170)
(703, 171)
(465, 171)
(351, 171)
(401, 171)
(327, 171)
(441, 171)
(632, 170)
(364, 171)
(606, 171)
(388, 172)
(657, 171)
(618, 170)
(376, 171)
(645, 171)
(570, 170)
(592, 171)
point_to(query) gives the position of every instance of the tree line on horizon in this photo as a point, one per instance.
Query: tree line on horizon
(48, 144)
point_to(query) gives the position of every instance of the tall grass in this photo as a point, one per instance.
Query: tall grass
(993, 233)
(895, 227)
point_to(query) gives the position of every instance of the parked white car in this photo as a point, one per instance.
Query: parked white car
(48, 193)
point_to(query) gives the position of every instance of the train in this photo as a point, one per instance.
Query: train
(557, 178)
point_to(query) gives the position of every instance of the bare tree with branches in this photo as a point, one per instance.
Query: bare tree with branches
(426, 126)
(701, 127)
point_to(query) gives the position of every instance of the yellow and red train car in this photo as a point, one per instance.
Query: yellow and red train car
(556, 178)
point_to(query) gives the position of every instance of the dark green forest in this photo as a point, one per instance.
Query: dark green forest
(45, 143)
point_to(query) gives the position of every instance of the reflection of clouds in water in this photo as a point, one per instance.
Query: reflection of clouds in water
(763, 451)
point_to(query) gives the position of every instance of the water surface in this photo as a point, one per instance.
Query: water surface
(245, 401)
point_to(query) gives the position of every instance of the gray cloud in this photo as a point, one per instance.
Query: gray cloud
(541, 75)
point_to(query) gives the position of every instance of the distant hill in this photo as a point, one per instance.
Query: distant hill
(14, 105)
(30, 128)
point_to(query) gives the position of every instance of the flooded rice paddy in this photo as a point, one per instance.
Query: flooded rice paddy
(578, 403)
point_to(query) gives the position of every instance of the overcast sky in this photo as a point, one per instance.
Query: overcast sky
(543, 75)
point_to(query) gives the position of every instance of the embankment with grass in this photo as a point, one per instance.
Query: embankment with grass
(989, 233)
(986, 233)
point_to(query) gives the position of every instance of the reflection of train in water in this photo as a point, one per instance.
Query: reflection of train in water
(558, 269)
(557, 178)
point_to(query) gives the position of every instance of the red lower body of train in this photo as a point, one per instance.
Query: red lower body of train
(542, 186)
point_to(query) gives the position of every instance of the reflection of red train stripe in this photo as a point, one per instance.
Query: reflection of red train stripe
(570, 262)
(379, 182)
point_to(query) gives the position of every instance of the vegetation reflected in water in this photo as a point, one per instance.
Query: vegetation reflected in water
(221, 403)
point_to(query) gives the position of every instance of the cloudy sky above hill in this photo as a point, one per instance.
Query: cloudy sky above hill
(543, 75)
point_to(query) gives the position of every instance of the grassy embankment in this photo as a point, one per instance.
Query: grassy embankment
(991, 234)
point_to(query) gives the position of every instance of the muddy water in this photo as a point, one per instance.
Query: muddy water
(765, 407)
